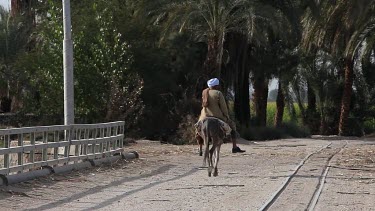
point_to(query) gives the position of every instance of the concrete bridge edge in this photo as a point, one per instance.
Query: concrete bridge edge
(47, 170)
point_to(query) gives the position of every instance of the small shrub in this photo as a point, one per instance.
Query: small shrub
(261, 133)
(185, 133)
(272, 133)
(369, 126)
(295, 131)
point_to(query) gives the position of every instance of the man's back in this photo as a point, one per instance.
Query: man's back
(216, 106)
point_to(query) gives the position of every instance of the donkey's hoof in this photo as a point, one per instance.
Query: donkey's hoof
(209, 174)
(200, 153)
(216, 174)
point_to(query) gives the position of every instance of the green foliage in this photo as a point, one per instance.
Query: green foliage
(271, 111)
(369, 126)
(47, 80)
(14, 42)
(345, 29)
(289, 128)
(321, 71)
(168, 88)
(122, 72)
(101, 60)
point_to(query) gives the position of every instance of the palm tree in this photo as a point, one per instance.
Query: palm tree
(260, 58)
(239, 25)
(287, 74)
(213, 22)
(236, 72)
(5, 60)
(340, 27)
(280, 44)
(242, 25)
(321, 71)
(208, 21)
(14, 35)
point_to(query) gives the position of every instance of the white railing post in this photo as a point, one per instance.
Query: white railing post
(6, 156)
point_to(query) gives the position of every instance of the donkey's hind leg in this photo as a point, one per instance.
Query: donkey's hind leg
(210, 160)
(217, 155)
(210, 166)
(206, 150)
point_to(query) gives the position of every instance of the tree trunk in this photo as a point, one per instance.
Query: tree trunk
(238, 49)
(5, 104)
(212, 65)
(312, 119)
(15, 7)
(16, 98)
(115, 103)
(280, 104)
(311, 99)
(242, 96)
(5, 98)
(346, 98)
(260, 100)
(323, 126)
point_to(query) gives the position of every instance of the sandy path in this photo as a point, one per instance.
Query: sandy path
(168, 177)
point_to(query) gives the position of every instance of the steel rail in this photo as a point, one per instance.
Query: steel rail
(276, 194)
(318, 191)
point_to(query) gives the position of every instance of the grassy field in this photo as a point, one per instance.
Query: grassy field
(287, 118)
(271, 110)
(290, 128)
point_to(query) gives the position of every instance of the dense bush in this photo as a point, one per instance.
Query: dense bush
(288, 130)
(261, 133)
(369, 126)
(294, 130)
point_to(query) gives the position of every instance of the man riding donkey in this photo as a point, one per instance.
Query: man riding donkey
(214, 105)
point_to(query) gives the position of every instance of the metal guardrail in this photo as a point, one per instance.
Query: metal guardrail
(32, 148)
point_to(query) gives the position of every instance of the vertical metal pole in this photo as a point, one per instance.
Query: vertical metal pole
(68, 66)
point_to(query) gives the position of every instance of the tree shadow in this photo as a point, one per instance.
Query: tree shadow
(114, 184)
(126, 194)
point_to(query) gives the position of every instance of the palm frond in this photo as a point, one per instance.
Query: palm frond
(341, 26)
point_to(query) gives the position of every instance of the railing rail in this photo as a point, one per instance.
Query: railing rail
(31, 148)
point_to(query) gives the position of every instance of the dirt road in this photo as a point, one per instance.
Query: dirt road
(312, 174)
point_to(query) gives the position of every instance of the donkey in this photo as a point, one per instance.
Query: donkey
(213, 131)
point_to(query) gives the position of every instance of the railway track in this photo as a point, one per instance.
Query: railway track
(308, 199)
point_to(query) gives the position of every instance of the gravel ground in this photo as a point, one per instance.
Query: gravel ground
(168, 177)
(350, 184)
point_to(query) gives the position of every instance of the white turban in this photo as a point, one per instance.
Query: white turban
(213, 82)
